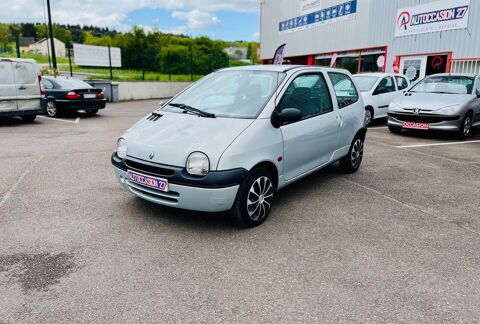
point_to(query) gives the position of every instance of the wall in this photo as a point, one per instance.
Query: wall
(374, 26)
(137, 90)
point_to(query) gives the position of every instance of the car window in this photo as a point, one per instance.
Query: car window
(310, 94)
(345, 90)
(69, 83)
(365, 83)
(401, 83)
(478, 87)
(47, 84)
(25, 73)
(6, 73)
(445, 84)
(386, 85)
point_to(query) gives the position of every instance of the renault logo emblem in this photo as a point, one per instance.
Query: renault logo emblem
(151, 155)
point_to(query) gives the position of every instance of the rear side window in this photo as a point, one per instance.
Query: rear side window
(310, 94)
(345, 90)
(401, 83)
(47, 84)
(6, 73)
(25, 73)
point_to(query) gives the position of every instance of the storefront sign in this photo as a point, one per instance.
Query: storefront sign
(432, 17)
(341, 12)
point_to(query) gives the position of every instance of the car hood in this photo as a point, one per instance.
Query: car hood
(174, 136)
(430, 101)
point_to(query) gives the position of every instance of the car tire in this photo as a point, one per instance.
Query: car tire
(394, 129)
(466, 127)
(248, 212)
(92, 112)
(52, 109)
(352, 161)
(29, 118)
(368, 117)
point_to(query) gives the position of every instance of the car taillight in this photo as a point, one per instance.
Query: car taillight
(40, 84)
(72, 95)
(101, 95)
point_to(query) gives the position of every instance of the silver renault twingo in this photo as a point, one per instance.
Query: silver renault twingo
(234, 138)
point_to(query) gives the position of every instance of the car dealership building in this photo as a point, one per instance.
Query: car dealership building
(415, 37)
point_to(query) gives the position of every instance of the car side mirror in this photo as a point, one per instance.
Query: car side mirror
(286, 116)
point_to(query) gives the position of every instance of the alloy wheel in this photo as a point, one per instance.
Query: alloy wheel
(368, 117)
(357, 153)
(259, 199)
(467, 125)
(51, 109)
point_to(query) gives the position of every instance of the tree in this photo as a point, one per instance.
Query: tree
(5, 36)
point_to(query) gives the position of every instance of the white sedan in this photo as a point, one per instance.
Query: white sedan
(378, 91)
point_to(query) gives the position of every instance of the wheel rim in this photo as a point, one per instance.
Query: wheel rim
(51, 108)
(259, 199)
(357, 153)
(466, 126)
(368, 117)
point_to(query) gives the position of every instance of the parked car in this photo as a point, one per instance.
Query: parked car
(445, 102)
(64, 94)
(378, 91)
(21, 92)
(231, 140)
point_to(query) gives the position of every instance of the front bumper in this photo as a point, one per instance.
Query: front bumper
(436, 122)
(214, 193)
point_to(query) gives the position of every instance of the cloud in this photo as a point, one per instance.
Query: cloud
(256, 35)
(198, 14)
(197, 19)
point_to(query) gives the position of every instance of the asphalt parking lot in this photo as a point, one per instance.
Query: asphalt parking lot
(398, 241)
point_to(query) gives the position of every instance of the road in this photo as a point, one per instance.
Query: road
(399, 241)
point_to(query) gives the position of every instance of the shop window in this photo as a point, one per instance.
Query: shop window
(345, 90)
(370, 62)
(436, 64)
(349, 62)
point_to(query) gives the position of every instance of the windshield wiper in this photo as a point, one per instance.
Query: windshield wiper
(187, 108)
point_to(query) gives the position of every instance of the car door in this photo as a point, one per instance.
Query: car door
(8, 90)
(384, 94)
(310, 142)
(477, 102)
(28, 89)
(351, 110)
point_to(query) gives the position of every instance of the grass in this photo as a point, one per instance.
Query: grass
(41, 59)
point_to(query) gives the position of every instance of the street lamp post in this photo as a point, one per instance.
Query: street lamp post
(52, 43)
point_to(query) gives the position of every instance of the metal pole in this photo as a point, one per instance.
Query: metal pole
(143, 64)
(52, 43)
(46, 34)
(70, 60)
(110, 62)
(169, 67)
(18, 45)
(191, 63)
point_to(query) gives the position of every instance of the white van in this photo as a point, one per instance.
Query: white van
(21, 90)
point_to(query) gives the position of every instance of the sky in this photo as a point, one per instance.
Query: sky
(219, 19)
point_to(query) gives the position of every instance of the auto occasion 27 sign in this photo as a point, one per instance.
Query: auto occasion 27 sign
(432, 17)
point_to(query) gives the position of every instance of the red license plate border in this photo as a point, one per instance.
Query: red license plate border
(156, 183)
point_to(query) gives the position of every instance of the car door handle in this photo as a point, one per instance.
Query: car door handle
(339, 120)
(22, 88)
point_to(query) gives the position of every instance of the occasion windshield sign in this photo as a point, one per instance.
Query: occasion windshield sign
(313, 16)
(432, 17)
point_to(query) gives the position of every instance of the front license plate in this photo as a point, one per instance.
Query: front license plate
(411, 125)
(90, 95)
(148, 181)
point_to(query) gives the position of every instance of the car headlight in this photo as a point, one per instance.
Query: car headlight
(450, 110)
(121, 148)
(394, 106)
(198, 164)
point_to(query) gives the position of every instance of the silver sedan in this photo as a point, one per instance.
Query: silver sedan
(445, 102)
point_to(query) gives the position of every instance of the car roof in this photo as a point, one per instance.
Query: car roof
(469, 75)
(377, 74)
(282, 68)
(13, 59)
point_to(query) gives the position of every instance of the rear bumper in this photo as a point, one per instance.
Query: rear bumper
(29, 112)
(437, 122)
(81, 104)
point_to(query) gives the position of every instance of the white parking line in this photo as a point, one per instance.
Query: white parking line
(77, 120)
(437, 144)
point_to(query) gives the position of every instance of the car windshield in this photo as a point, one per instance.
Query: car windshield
(365, 83)
(232, 94)
(72, 83)
(445, 84)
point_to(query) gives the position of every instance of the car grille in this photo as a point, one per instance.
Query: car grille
(423, 118)
(149, 168)
(169, 198)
